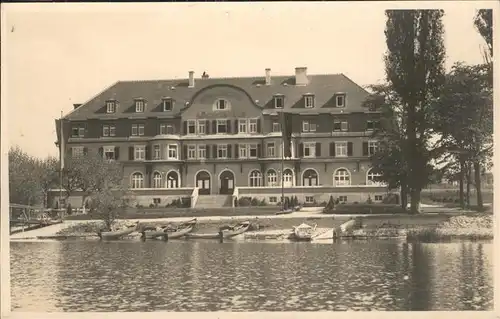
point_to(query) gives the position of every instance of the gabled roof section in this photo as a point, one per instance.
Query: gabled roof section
(324, 87)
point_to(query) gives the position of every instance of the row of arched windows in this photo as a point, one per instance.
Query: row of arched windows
(341, 177)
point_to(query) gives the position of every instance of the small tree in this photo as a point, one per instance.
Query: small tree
(108, 205)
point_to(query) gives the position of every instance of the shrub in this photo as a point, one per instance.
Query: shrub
(151, 205)
(369, 200)
(254, 202)
(329, 207)
(69, 210)
(263, 202)
(244, 201)
(368, 209)
(186, 202)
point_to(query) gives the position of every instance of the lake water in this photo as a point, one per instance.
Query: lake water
(250, 276)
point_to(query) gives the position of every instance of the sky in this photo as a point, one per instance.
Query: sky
(55, 55)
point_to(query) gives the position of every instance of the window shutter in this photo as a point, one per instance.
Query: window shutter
(207, 151)
(332, 149)
(236, 151)
(259, 126)
(184, 152)
(349, 148)
(85, 151)
(365, 148)
(148, 153)
(318, 149)
(207, 127)
(259, 150)
(131, 153)
(214, 127)
(229, 149)
(228, 126)
(236, 127)
(185, 124)
(101, 152)
(214, 148)
(117, 152)
(301, 149)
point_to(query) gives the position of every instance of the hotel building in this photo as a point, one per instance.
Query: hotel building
(222, 137)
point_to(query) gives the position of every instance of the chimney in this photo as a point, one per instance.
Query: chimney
(268, 76)
(75, 106)
(301, 76)
(204, 75)
(191, 79)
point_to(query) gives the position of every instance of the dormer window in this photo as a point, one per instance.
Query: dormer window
(221, 105)
(340, 100)
(168, 104)
(309, 101)
(110, 106)
(139, 106)
(279, 101)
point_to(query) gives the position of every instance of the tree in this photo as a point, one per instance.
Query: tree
(463, 117)
(48, 175)
(414, 67)
(483, 21)
(107, 204)
(23, 185)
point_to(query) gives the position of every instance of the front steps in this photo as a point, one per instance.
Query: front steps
(213, 201)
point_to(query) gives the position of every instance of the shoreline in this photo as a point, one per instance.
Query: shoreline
(421, 227)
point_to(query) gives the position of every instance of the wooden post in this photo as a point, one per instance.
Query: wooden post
(221, 236)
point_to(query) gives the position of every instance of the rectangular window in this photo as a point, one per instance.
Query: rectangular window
(221, 126)
(343, 199)
(170, 129)
(270, 150)
(340, 149)
(307, 126)
(139, 106)
(110, 107)
(276, 127)
(167, 105)
(310, 149)
(201, 127)
(77, 131)
(191, 152)
(221, 104)
(156, 200)
(202, 151)
(112, 130)
(309, 199)
(378, 198)
(109, 152)
(156, 152)
(77, 151)
(372, 147)
(108, 130)
(252, 151)
(372, 125)
(309, 101)
(222, 151)
(137, 129)
(243, 151)
(273, 199)
(340, 126)
(191, 127)
(242, 126)
(252, 126)
(172, 151)
(279, 102)
(163, 129)
(340, 101)
(139, 153)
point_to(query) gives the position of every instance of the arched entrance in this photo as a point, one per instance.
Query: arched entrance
(172, 180)
(310, 178)
(288, 178)
(203, 182)
(226, 182)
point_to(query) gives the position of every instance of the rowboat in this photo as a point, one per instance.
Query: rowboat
(226, 232)
(167, 233)
(303, 232)
(285, 212)
(117, 234)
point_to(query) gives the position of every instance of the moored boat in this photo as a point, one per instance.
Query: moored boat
(226, 232)
(285, 212)
(303, 232)
(117, 234)
(167, 233)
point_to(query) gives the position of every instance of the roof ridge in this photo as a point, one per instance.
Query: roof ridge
(227, 78)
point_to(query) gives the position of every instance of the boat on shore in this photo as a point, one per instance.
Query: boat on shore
(167, 233)
(303, 232)
(224, 232)
(117, 234)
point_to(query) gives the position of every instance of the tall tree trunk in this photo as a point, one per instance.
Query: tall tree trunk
(415, 201)
(477, 179)
(469, 181)
(404, 197)
(461, 183)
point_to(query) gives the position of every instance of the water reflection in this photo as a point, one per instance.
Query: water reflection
(210, 276)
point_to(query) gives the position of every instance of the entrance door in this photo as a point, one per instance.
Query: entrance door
(226, 183)
(287, 178)
(203, 183)
(310, 178)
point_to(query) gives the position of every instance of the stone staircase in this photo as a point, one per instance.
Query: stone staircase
(213, 201)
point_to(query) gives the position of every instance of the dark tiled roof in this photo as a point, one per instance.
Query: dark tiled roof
(324, 87)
